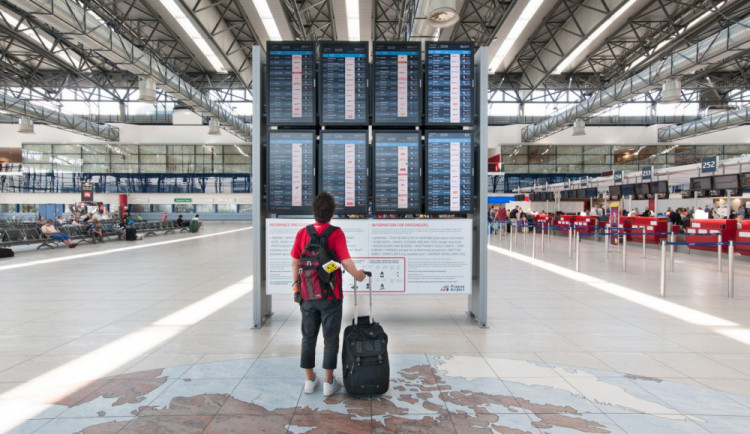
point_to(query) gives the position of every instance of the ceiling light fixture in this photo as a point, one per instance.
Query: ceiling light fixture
(515, 32)
(585, 44)
(267, 18)
(352, 19)
(442, 13)
(187, 25)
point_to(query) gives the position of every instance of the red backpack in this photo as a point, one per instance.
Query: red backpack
(319, 271)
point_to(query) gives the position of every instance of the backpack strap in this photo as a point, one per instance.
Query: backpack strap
(311, 230)
(327, 233)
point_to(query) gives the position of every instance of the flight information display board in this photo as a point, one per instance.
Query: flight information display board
(397, 83)
(344, 169)
(449, 172)
(450, 71)
(291, 171)
(397, 176)
(343, 83)
(291, 83)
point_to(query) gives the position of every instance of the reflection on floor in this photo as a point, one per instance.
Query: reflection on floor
(158, 339)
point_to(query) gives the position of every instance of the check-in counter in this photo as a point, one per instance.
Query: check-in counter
(698, 230)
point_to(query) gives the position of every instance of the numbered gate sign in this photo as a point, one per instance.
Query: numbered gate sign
(618, 177)
(646, 173)
(708, 164)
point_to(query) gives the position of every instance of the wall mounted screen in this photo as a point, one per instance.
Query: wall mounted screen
(591, 192)
(291, 83)
(703, 183)
(642, 189)
(659, 187)
(727, 182)
(746, 180)
(397, 180)
(397, 83)
(628, 190)
(343, 83)
(291, 171)
(615, 191)
(449, 172)
(448, 83)
(581, 193)
(344, 169)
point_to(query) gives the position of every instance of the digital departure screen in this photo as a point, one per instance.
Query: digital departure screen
(291, 83)
(291, 171)
(343, 83)
(449, 172)
(397, 83)
(397, 177)
(344, 169)
(448, 84)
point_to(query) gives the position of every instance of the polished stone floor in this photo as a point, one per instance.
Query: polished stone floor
(155, 336)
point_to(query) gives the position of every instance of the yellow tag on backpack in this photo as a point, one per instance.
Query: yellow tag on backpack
(331, 266)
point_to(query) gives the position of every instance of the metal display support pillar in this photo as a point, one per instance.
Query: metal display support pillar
(477, 301)
(663, 274)
(643, 241)
(624, 253)
(261, 301)
(730, 291)
(718, 253)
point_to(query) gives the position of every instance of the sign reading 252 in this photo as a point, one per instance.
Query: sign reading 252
(709, 164)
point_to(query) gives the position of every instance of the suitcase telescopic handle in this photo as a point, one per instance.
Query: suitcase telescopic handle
(369, 287)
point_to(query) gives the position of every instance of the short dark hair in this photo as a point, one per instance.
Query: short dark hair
(323, 207)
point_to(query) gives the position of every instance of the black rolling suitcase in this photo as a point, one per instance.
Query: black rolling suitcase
(364, 355)
(131, 234)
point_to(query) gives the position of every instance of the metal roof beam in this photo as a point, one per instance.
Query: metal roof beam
(732, 41)
(69, 18)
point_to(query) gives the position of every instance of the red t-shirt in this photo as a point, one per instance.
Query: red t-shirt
(336, 242)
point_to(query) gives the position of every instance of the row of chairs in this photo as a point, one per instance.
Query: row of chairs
(29, 233)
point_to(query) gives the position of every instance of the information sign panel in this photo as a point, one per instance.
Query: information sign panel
(344, 169)
(449, 91)
(449, 172)
(397, 83)
(392, 249)
(291, 83)
(708, 164)
(343, 83)
(291, 171)
(646, 173)
(397, 180)
(618, 176)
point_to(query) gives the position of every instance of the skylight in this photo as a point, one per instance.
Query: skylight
(515, 32)
(193, 33)
(267, 18)
(352, 19)
(585, 44)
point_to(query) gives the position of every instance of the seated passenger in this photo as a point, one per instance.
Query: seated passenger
(98, 232)
(195, 223)
(50, 231)
(180, 221)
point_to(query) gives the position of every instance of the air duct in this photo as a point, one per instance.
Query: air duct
(146, 89)
(579, 128)
(25, 125)
(717, 122)
(671, 91)
(213, 127)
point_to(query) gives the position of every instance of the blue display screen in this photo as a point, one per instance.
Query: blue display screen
(291, 83)
(343, 83)
(397, 83)
(397, 177)
(291, 171)
(343, 169)
(449, 172)
(449, 89)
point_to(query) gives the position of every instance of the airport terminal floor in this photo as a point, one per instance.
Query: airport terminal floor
(155, 336)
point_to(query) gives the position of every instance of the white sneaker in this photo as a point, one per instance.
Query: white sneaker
(311, 385)
(331, 388)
